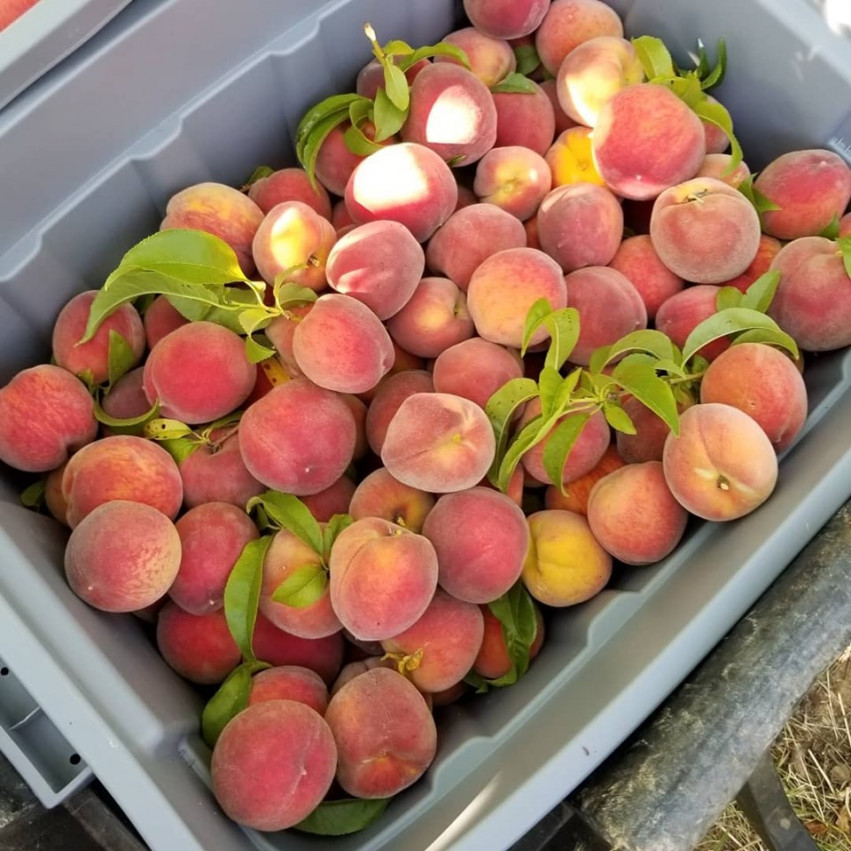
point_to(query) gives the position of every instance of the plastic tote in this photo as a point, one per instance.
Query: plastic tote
(174, 93)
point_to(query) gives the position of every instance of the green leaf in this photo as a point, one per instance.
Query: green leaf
(242, 594)
(538, 312)
(358, 142)
(309, 150)
(560, 442)
(637, 375)
(256, 351)
(563, 325)
(120, 357)
(396, 86)
(442, 48)
(515, 610)
(549, 382)
(32, 496)
(728, 297)
(831, 230)
(761, 203)
(715, 113)
(500, 409)
(258, 174)
(339, 818)
(333, 527)
(617, 417)
(655, 58)
(687, 89)
(290, 513)
(397, 47)
(734, 320)
(288, 294)
(651, 341)
(527, 59)
(230, 699)
(844, 244)
(514, 83)
(163, 428)
(564, 394)
(716, 76)
(303, 587)
(760, 293)
(388, 118)
(128, 425)
(530, 435)
(180, 448)
(252, 319)
(335, 107)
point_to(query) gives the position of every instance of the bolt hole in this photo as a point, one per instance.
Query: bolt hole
(75, 759)
(4, 671)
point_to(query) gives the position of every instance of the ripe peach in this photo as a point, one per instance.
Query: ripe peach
(289, 682)
(513, 178)
(575, 496)
(526, 119)
(490, 58)
(506, 18)
(651, 432)
(160, 318)
(718, 166)
(333, 500)
(370, 78)
(638, 261)
(389, 395)
(380, 495)
(682, 312)
(289, 184)
(765, 254)
(126, 398)
(571, 159)
(493, 660)
(562, 120)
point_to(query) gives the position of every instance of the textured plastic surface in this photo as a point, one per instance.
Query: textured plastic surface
(44, 35)
(506, 758)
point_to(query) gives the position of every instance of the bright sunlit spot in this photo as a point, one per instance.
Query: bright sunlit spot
(837, 13)
(452, 118)
(470, 815)
(393, 179)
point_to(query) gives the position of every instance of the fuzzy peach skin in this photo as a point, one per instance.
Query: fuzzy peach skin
(682, 312)
(480, 537)
(379, 263)
(490, 58)
(704, 230)
(122, 556)
(505, 286)
(289, 184)
(198, 373)
(93, 356)
(565, 564)
(286, 554)
(253, 784)
(46, 414)
(469, 236)
(380, 495)
(513, 178)
(765, 254)
(651, 432)
(438, 650)
(289, 682)
(126, 398)
(382, 577)
(219, 210)
(439, 443)
(385, 734)
(721, 465)
(506, 18)
(299, 438)
(389, 395)
(575, 496)
(159, 318)
(718, 166)
(645, 140)
(562, 121)
(764, 383)
(525, 118)
(810, 187)
(121, 467)
(212, 538)
(493, 660)
(638, 261)
(370, 78)
(634, 515)
(333, 500)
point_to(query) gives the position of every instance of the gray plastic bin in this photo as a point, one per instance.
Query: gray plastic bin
(90, 157)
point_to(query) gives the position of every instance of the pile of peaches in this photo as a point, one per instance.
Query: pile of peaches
(348, 435)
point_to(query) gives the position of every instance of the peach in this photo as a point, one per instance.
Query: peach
(121, 467)
(575, 496)
(279, 647)
(475, 369)
(159, 318)
(565, 564)
(280, 332)
(580, 224)
(333, 500)
(385, 734)
(490, 58)
(434, 318)
(439, 442)
(46, 414)
(571, 159)
(122, 556)
(585, 453)
(389, 395)
(382, 577)
(53, 500)
(645, 140)
(299, 438)
(480, 537)
(253, 784)
(199, 372)
(452, 113)
(638, 261)
(219, 210)
(289, 682)
(506, 18)
(592, 72)
(293, 238)
(493, 660)
(215, 472)
(505, 286)
(526, 119)
(212, 538)
(199, 647)
(609, 308)
(370, 78)
(682, 312)
(634, 515)
(562, 120)
(568, 23)
(379, 263)
(439, 649)
(704, 230)
(721, 465)
(407, 183)
(91, 358)
(342, 345)
(289, 184)
(358, 408)
(651, 431)
(813, 300)
(126, 398)
(380, 495)
(287, 554)
(468, 237)
(764, 383)
(809, 186)
(765, 254)
(719, 167)
(513, 178)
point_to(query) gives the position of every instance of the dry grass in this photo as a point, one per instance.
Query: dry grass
(813, 759)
